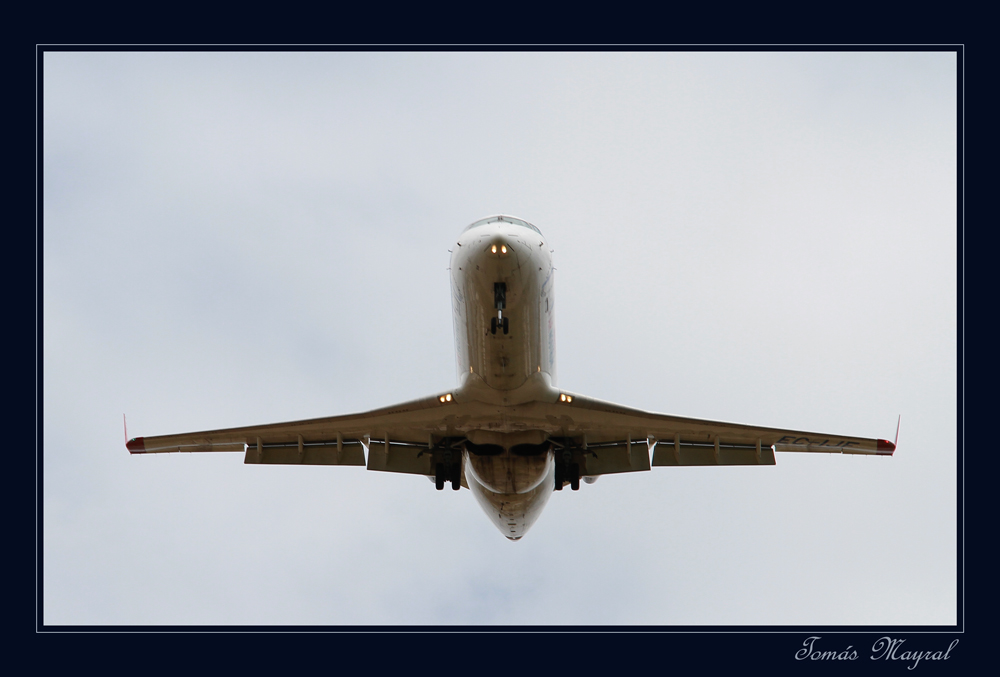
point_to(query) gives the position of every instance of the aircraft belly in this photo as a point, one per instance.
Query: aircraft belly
(515, 512)
(503, 361)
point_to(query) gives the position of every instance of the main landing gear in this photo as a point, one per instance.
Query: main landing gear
(567, 470)
(449, 470)
(499, 302)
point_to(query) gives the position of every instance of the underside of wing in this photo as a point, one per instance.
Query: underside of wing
(429, 436)
(610, 433)
(401, 438)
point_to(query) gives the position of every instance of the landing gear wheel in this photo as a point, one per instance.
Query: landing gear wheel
(574, 477)
(493, 325)
(504, 326)
(456, 476)
(439, 476)
(559, 477)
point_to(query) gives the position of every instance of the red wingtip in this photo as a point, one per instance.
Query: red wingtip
(136, 446)
(884, 447)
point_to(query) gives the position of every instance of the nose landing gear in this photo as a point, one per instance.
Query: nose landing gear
(499, 302)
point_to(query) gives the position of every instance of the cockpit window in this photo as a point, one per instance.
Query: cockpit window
(504, 219)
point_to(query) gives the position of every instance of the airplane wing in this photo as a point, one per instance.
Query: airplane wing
(612, 433)
(399, 438)
(606, 438)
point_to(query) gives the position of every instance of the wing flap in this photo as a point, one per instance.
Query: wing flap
(348, 453)
(708, 454)
(403, 458)
(617, 457)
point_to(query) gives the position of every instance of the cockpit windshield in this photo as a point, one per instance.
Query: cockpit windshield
(505, 219)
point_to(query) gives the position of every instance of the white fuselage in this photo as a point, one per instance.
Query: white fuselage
(501, 368)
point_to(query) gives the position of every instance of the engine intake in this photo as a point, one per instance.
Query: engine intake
(530, 449)
(484, 449)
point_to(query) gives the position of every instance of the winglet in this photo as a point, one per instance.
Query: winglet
(885, 447)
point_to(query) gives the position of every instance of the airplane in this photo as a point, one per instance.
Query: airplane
(507, 433)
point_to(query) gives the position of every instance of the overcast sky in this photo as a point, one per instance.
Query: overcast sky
(239, 238)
